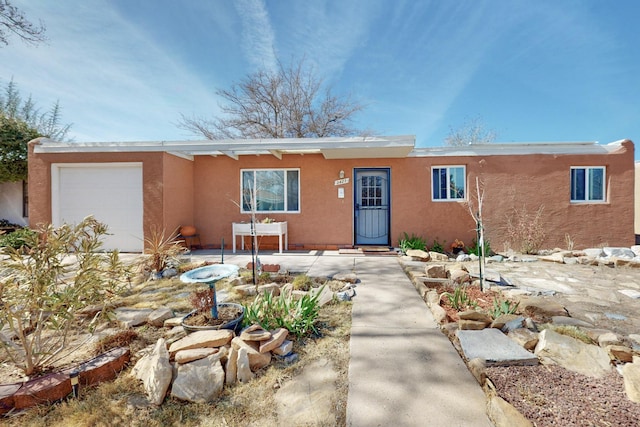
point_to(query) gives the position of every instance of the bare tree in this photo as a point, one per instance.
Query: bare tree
(287, 103)
(13, 21)
(472, 131)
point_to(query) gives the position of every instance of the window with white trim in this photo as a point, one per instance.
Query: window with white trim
(270, 190)
(448, 182)
(588, 184)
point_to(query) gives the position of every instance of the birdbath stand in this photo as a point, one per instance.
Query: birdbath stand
(210, 274)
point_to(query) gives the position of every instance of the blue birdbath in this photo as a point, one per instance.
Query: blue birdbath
(210, 274)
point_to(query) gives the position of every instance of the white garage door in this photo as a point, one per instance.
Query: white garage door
(111, 192)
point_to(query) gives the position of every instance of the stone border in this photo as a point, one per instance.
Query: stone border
(55, 386)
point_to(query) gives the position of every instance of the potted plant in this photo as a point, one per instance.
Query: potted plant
(457, 246)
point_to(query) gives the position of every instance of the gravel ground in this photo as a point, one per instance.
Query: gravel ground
(553, 396)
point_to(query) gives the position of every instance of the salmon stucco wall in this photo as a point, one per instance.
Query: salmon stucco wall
(40, 181)
(205, 193)
(177, 189)
(516, 188)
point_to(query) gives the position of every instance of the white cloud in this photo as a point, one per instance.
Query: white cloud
(257, 33)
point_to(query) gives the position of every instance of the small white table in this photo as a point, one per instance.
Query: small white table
(262, 229)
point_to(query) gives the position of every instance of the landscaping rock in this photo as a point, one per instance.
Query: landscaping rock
(156, 372)
(418, 255)
(503, 414)
(326, 295)
(186, 356)
(475, 315)
(558, 257)
(348, 277)
(284, 348)
(477, 366)
(572, 354)
(200, 381)
(494, 347)
(231, 370)
(246, 290)
(501, 320)
(432, 298)
(524, 337)
(130, 317)
(436, 271)
(277, 337)
(471, 325)
(254, 333)
(620, 353)
(439, 313)
(618, 252)
(257, 360)
(542, 309)
(512, 325)
(608, 338)
(459, 276)
(631, 375)
(570, 321)
(200, 339)
(438, 257)
(158, 316)
(243, 368)
(270, 288)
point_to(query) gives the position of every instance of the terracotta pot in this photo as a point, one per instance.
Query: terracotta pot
(187, 230)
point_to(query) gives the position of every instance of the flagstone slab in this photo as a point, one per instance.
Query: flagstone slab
(495, 348)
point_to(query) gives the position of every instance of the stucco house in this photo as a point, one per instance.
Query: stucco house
(337, 192)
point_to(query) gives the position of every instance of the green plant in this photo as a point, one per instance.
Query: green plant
(501, 307)
(475, 247)
(459, 299)
(437, 246)
(284, 311)
(161, 250)
(17, 239)
(41, 293)
(414, 242)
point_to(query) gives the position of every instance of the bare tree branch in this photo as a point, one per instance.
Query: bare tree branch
(287, 103)
(473, 131)
(13, 21)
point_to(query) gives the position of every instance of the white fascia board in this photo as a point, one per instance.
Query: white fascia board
(335, 147)
(514, 149)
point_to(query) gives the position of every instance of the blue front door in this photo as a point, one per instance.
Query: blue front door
(371, 207)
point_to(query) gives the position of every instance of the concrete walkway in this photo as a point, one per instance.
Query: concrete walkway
(403, 371)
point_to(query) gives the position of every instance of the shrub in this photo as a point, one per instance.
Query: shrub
(284, 311)
(302, 283)
(17, 239)
(437, 246)
(41, 293)
(525, 229)
(161, 250)
(414, 242)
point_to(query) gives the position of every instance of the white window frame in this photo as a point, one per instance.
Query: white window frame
(286, 190)
(448, 175)
(587, 184)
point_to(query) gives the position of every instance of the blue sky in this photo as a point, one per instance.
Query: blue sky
(532, 70)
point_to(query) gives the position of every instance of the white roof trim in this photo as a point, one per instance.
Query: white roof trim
(330, 148)
(519, 148)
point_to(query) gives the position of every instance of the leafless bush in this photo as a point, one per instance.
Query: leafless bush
(525, 230)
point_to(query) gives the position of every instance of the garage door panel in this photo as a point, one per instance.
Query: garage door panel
(111, 192)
